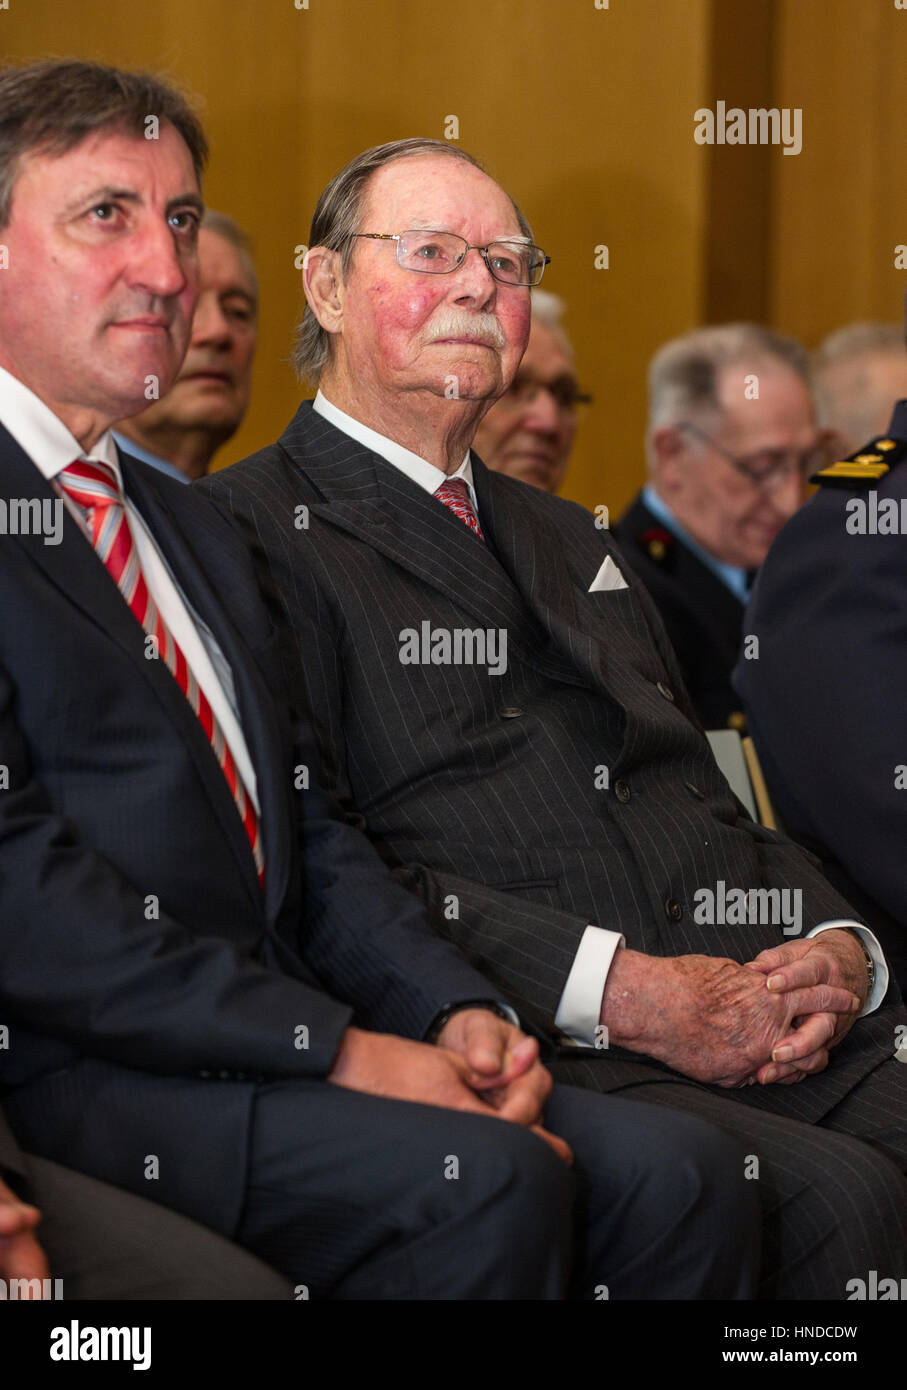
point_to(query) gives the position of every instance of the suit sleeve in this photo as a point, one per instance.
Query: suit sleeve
(80, 962)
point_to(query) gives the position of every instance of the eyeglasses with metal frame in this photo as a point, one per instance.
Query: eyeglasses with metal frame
(770, 468)
(427, 252)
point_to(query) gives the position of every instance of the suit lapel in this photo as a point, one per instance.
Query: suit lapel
(369, 498)
(252, 699)
(72, 566)
(521, 580)
(75, 570)
(374, 501)
(529, 548)
(532, 552)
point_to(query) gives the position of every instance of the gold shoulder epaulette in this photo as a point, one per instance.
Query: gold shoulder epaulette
(867, 465)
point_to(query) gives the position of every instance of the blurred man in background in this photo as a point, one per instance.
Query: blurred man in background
(181, 433)
(825, 698)
(859, 372)
(731, 438)
(529, 432)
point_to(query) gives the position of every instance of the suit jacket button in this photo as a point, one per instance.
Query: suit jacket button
(224, 1075)
(205, 1075)
(665, 690)
(511, 712)
(673, 910)
(622, 791)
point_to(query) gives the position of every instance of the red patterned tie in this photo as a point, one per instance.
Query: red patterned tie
(93, 488)
(455, 494)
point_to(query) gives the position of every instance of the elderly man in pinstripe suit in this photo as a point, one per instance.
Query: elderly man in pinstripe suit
(558, 806)
(182, 917)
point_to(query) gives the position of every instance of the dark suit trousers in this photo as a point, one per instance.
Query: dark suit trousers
(389, 1199)
(834, 1206)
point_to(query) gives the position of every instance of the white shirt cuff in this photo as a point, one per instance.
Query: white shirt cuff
(870, 941)
(579, 1011)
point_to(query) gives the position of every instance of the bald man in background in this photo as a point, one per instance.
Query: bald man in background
(180, 434)
(860, 371)
(528, 433)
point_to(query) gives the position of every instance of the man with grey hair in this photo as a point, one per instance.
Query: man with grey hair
(859, 371)
(528, 433)
(181, 433)
(731, 439)
(557, 807)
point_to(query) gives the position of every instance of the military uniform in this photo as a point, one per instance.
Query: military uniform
(826, 696)
(704, 619)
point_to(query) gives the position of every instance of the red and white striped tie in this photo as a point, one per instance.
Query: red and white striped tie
(455, 495)
(93, 488)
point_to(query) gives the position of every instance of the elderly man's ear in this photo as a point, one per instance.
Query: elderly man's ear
(323, 284)
(668, 449)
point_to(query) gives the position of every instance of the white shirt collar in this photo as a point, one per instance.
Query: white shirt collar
(425, 474)
(42, 434)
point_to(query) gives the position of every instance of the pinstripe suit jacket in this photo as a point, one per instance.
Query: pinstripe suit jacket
(486, 792)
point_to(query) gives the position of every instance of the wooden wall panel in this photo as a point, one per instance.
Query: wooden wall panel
(585, 114)
(737, 266)
(840, 207)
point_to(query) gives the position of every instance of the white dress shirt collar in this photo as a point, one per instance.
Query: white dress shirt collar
(419, 470)
(51, 448)
(42, 435)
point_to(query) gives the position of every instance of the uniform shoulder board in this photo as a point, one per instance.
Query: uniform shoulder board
(867, 465)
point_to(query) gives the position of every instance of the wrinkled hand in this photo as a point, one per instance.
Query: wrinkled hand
(715, 1020)
(833, 957)
(384, 1065)
(21, 1257)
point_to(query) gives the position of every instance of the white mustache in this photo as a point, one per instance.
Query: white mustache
(483, 327)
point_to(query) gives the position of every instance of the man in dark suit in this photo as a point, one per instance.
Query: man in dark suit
(824, 686)
(497, 702)
(105, 1243)
(211, 988)
(731, 435)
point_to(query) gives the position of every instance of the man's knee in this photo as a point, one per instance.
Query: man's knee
(693, 1166)
(666, 1160)
(500, 1161)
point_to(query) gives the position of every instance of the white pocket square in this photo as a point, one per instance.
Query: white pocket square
(608, 577)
